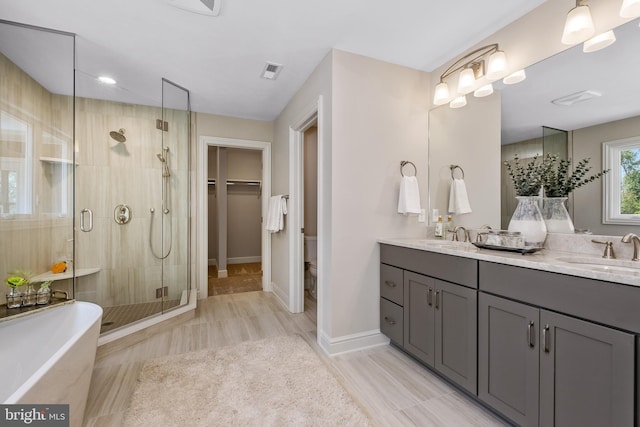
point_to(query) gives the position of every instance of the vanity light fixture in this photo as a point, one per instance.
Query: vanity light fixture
(630, 9)
(578, 26)
(599, 42)
(476, 71)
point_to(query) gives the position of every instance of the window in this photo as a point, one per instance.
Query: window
(622, 183)
(16, 163)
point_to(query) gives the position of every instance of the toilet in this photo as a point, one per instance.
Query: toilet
(311, 263)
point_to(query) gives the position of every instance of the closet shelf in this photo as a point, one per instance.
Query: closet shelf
(250, 182)
(56, 160)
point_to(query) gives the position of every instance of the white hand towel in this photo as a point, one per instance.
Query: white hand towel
(409, 200)
(275, 214)
(458, 199)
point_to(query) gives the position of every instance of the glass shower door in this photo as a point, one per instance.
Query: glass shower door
(172, 245)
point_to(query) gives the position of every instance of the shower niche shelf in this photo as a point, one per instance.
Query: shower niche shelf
(66, 275)
(56, 161)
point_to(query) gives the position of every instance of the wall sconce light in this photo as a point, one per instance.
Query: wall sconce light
(630, 9)
(476, 72)
(578, 26)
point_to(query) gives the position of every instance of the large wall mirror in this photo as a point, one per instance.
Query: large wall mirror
(592, 96)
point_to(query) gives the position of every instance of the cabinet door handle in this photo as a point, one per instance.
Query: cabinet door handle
(430, 297)
(437, 299)
(545, 338)
(390, 284)
(389, 320)
(531, 334)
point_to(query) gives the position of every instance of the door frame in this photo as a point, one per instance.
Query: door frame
(309, 116)
(202, 217)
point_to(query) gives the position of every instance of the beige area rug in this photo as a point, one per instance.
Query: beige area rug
(277, 381)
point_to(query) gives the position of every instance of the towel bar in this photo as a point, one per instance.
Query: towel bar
(403, 163)
(453, 168)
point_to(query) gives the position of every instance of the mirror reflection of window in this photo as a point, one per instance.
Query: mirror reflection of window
(622, 183)
(16, 163)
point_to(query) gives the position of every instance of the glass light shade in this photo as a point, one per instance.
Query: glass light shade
(515, 77)
(441, 94)
(496, 65)
(630, 9)
(599, 42)
(459, 102)
(482, 91)
(466, 81)
(579, 25)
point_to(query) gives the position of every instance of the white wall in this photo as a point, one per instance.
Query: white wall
(470, 138)
(318, 84)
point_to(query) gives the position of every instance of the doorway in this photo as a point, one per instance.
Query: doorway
(246, 195)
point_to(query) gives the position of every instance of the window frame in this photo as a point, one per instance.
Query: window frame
(612, 181)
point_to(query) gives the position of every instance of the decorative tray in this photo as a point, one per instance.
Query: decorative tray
(525, 250)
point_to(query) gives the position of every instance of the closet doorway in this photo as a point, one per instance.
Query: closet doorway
(234, 248)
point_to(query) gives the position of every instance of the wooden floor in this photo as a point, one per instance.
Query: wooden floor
(241, 278)
(393, 388)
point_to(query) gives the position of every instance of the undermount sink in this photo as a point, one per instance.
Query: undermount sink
(616, 266)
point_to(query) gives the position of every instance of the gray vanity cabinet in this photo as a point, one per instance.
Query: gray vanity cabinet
(440, 321)
(439, 317)
(542, 368)
(508, 358)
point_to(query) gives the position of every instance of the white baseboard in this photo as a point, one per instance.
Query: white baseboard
(237, 260)
(244, 260)
(354, 342)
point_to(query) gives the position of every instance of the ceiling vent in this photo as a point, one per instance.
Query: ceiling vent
(574, 98)
(271, 71)
(202, 7)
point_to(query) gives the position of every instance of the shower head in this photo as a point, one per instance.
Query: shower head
(118, 135)
(160, 157)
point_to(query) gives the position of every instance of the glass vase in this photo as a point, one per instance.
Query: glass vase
(527, 219)
(14, 298)
(555, 214)
(43, 296)
(29, 296)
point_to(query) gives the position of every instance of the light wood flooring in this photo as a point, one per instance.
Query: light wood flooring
(393, 388)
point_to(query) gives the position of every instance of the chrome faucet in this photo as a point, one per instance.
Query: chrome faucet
(455, 237)
(479, 234)
(631, 237)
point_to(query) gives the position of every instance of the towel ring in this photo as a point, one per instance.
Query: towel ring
(453, 169)
(403, 163)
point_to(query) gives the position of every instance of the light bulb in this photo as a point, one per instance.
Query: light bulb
(579, 25)
(466, 81)
(630, 9)
(441, 94)
(599, 42)
(496, 65)
(106, 80)
(483, 91)
(515, 77)
(459, 102)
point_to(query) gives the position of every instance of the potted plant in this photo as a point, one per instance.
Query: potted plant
(527, 182)
(15, 281)
(558, 182)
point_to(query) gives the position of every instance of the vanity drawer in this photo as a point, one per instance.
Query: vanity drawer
(391, 283)
(391, 321)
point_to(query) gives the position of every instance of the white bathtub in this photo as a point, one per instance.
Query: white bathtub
(47, 357)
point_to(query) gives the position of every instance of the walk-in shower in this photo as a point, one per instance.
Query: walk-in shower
(68, 196)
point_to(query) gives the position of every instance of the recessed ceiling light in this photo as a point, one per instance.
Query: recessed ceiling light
(106, 80)
(271, 71)
(574, 98)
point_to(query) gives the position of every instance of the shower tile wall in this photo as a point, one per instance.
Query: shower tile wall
(111, 173)
(33, 241)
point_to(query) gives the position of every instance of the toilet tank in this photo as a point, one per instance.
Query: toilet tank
(310, 248)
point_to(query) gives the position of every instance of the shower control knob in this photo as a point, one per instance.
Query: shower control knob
(122, 214)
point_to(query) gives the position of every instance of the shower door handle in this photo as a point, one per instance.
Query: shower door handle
(89, 227)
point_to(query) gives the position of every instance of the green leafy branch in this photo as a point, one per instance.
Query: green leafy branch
(559, 182)
(527, 179)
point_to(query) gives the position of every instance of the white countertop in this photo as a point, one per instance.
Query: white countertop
(619, 270)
